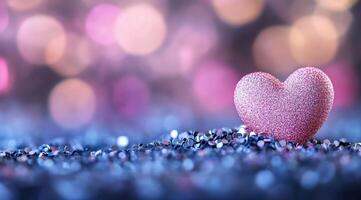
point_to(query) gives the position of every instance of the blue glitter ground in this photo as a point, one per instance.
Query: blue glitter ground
(222, 163)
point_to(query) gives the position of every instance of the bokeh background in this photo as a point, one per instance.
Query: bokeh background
(143, 68)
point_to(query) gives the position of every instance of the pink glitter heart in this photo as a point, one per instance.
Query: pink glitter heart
(293, 110)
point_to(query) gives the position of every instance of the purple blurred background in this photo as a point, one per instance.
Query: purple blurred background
(142, 68)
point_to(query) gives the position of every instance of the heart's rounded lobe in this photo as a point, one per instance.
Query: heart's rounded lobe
(293, 110)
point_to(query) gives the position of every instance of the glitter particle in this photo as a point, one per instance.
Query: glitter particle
(122, 141)
(174, 134)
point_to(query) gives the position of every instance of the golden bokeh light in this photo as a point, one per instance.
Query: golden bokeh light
(336, 5)
(272, 51)
(72, 104)
(22, 5)
(77, 56)
(313, 40)
(341, 20)
(41, 39)
(238, 12)
(140, 29)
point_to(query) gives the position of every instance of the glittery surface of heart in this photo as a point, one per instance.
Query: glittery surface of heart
(293, 110)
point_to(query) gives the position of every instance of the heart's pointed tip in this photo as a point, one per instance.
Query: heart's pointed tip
(279, 137)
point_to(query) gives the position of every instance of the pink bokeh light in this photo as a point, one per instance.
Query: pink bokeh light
(100, 23)
(189, 44)
(4, 76)
(213, 87)
(4, 17)
(345, 83)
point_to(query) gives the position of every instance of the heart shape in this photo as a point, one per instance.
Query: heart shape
(293, 110)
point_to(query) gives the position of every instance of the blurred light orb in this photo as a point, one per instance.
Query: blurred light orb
(213, 87)
(100, 23)
(4, 76)
(314, 40)
(338, 5)
(72, 104)
(238, 12)
(4, 17)
(22, 5)
(174, 134)
(131, 97)
(341, 20)
(140, 29)
(345, 82)
(188, 45)
(122, 141)
(272, 50)
(77, 57)
(41, 39)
